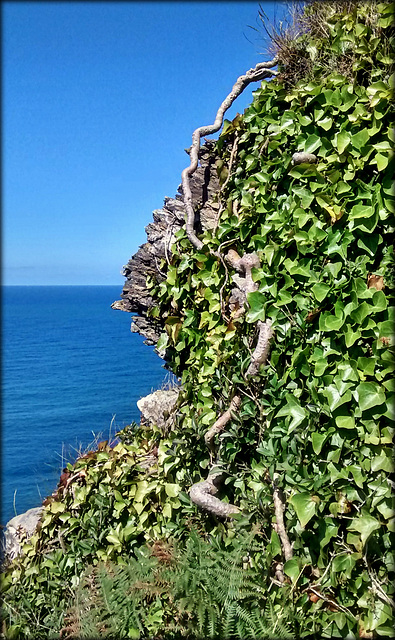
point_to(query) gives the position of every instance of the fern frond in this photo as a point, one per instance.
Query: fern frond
(230, 619)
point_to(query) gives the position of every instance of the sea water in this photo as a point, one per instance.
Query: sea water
(72, 373)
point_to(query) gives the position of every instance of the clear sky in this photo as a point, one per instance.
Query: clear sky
(99, 102)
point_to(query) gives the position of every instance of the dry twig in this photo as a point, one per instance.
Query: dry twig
(220, 424)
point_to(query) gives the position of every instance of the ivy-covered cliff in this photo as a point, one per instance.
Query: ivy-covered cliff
(259, 503)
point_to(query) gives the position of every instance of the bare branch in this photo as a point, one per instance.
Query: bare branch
(279, 508)
(260, 72)
(262, 348)
(300, 158)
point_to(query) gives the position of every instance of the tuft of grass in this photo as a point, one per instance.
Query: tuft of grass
(301, 41)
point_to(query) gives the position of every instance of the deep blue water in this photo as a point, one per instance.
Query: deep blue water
(71, 370)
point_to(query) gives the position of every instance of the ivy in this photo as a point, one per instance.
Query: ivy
(318, 415)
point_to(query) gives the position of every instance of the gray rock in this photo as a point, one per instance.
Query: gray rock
(18, 531)
(158, 407)
(301, 157)
(118, 304)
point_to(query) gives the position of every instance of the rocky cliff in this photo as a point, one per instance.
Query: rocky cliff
(135, 297)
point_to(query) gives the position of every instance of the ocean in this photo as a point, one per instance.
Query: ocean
(72, 373)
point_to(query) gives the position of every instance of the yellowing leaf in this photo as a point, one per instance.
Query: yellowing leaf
(57, 507)
(113, 539)
(172, 490)
(381, 161)
(167, 510)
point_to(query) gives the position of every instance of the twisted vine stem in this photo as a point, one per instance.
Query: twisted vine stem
(204, 493)
(261, 350)
(259, 72)
(279, 508)
(220, 424)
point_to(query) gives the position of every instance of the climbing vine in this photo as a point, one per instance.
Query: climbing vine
(311, 199)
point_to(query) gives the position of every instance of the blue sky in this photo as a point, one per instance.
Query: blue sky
(99, 102)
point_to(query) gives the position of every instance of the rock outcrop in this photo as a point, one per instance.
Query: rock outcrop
(18, 531)
(135, 297)
(158, 407)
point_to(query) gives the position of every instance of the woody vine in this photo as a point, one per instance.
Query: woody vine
(204, 493)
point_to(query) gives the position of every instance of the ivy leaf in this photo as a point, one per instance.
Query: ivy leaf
(329, 322)
(256, 301)
(365, 525)
(343, 139)
(57, 507)
(345, 562)
(383, 462)
(381, 161)
(320, 291)
(329, 530)
(325, 123)
(305, 506)
(129, 529)
(361, 211)
(292, 569)
(172, 490)
(333, 98)
(312, 143)
(361, 312)
(298, 414)
(317, 441)
(345, 422)
(113, 539)
(359, 139)
(275, 544)
(369, 394)
(335, 397)
(143, 488)
(166, 511)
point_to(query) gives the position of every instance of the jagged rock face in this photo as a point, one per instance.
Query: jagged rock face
(135, 297)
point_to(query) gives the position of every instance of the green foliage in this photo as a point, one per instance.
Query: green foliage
(200, 591)
(111, 506)
(319, 414)
(118, 601)
(343, 36)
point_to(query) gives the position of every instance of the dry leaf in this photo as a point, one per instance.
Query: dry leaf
(376, 282)
(311, 316)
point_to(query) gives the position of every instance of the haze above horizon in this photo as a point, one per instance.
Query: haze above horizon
(100, 100)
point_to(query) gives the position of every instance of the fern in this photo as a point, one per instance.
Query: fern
(111, 599)
(222, 597)
(205, 592)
